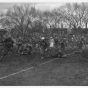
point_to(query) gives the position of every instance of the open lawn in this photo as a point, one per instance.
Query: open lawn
(18, 70)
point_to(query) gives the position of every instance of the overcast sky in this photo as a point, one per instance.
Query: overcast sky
(48, 6)
(40, 6)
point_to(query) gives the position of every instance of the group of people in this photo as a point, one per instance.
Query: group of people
(46, 46)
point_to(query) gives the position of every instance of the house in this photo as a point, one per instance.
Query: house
(80, 30)
(60, 30)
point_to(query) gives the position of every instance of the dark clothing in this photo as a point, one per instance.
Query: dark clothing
(44, 44)
(28, 49)
(62, 45)
(56, 42)
(80, 44)
(43, 47)
(34, 43)
(8, 42)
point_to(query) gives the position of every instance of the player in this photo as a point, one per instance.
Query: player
(43, 46)
(8, 45)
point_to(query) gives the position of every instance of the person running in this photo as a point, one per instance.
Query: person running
(34, 44)
(83, 40)
(56, 42)
(63, 45)
(43, 46)
(19, 47)
(80, 45)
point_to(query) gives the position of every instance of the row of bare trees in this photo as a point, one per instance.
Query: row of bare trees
(24, 19)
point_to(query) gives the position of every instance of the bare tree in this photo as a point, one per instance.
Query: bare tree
(74, 14)
(19, 18)
(25, 18)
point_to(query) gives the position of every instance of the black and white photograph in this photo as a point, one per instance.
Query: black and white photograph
(43, 43)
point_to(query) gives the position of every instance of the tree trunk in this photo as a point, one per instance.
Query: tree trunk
(86, 24)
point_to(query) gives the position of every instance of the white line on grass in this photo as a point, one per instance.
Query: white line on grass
(16, 73)
(30, 68)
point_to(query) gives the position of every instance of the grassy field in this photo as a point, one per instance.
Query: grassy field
(63, 71)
